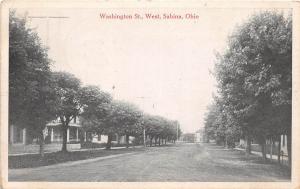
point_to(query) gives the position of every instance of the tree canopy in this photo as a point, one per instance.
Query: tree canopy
(255, 80)
(32, 101)
(67, 88)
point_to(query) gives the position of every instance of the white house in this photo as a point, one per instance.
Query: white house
(53, 134)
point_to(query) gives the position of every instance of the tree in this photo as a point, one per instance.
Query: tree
(254, 78)
(67, 88)
(152, 126)
(122, 118)
(129, 117)
(94, 104)
(209, 122)
(160, 128)
(31, 99)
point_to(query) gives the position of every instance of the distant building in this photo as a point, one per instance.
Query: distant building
(199, 136)
(188, 137)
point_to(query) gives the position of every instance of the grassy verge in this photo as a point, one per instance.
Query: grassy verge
(34, 160)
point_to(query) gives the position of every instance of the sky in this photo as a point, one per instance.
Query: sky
(162, 66)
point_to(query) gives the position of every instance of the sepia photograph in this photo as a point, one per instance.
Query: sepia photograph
(149, 94)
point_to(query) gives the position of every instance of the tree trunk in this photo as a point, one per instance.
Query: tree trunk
(98, 136)
(127, 141)
(271, 148)
(263, 149)
(207, 139)
(151, 138)
(118, 138)
(165, 141)
(289, 147)
(64, 142)
(279, 149)
(81, 137)
(158, 141)
(155, 141)
(226, 142)
(41, 137)
(147, 140)
(248, 146)
(108, 144)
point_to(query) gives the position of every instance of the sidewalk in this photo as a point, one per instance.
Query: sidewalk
(274, 157)
(70, 149)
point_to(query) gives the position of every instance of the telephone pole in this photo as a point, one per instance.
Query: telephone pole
(177, 130)
(144, 129)
(144, 133)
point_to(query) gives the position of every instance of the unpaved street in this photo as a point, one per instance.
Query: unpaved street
(182, 162)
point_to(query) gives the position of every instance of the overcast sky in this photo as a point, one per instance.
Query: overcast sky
(163, 66)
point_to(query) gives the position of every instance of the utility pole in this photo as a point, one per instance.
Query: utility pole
(177, 130)
(144, 132)
(144, 129)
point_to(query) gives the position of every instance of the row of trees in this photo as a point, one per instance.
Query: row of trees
(102, 116)
(254, 84)
(37, 96)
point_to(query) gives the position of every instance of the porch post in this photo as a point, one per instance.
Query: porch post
(76, 133)
(24, 135)
(84, 136)
(12, 134)
(68, 135)
(52, 134)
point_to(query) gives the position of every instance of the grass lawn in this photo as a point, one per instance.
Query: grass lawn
(34, 160)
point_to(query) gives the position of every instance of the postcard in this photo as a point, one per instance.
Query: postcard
(149, 94)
